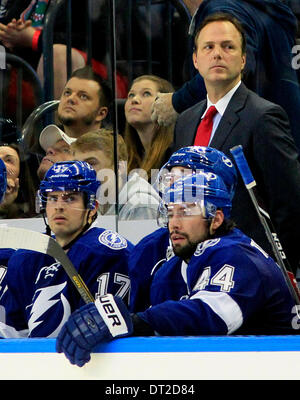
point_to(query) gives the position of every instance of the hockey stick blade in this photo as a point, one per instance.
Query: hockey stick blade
(18, 238)
(246, 174)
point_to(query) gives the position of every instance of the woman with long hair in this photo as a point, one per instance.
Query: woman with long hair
(146, 141)
(19, 199)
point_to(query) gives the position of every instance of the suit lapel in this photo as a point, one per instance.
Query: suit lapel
(230, 117)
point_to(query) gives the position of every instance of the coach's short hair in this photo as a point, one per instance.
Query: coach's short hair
(222, 16)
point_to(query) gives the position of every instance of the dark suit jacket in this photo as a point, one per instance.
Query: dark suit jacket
(270, 28)
(262, 128)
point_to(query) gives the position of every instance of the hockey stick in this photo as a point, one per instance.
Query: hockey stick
(18, 238)
(265, 219)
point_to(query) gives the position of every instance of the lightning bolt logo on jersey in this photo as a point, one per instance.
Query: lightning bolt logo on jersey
(48, 300)
(229, 286)
(40, 295)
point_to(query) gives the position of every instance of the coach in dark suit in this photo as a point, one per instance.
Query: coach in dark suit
(272, 68)
(261, 127)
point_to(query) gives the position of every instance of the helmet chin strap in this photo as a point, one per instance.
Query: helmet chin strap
(48, 230)
(84, 229)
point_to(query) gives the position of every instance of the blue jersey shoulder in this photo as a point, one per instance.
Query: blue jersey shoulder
(151, 249)
(145, 259)
(105, 240)
(235, 248)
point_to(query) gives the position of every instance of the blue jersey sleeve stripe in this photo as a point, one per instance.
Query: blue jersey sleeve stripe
(224, 306)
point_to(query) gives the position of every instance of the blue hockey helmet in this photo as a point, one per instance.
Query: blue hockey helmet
(207, 159)
(205, 188)
(74, 176)
(3, 180)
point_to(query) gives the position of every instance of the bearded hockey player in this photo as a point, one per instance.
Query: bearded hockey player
(40, 296)
(154, 249)
(219, 283)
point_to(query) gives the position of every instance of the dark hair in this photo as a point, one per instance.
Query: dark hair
(220, 16)
(226, 227)
(24, 204)
(105, 93)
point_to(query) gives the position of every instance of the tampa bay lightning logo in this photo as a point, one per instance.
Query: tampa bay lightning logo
(204, 245)
(210, 176)
(112, 240)
(44, 299)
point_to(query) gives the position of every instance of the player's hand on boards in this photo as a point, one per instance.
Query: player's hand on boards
(94, 323)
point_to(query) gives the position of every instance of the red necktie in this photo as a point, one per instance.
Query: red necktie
(205, 128)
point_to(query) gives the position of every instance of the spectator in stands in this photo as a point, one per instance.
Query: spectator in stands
(57, 147)
(137, 198)
(84, 102)
(19, 199)
(146, 141)
(24, 36)
(83, 106)
(270, 28)
(10, 9)
(10, 156)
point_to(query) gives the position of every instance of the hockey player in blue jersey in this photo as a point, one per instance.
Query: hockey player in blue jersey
(3, 180)
(40, 296)
(5, 253)
(219, 283)
(154, 249)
